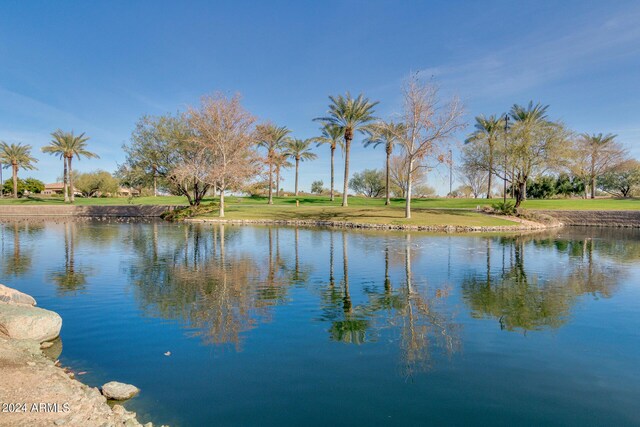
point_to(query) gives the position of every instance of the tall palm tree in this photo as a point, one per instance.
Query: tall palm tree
(333, 136)
(17, 156)
(67, 145)
(527, 120)
(300, 150)
(351, 115)
(385, 133)
(58, 147)
(280, 161)
(487, 131)
(272, 138)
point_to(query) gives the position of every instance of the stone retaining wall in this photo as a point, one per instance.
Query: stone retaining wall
(521, 226)
(629, 219)
(85, 211)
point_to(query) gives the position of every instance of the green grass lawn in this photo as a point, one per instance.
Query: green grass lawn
(362, 214)
(567, 204)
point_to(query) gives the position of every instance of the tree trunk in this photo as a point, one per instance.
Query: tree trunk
(155, 182)
(65, 179)
(297, 165)
(72, 197)
(407, 207)
(387, 202)
(347, 147)
(333, 150)
(522, 188)
(270, 183)
(489, 183)
(221, 203)
(593, 186)
(278, 182)
(14, 167)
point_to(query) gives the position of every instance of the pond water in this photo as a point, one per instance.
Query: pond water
(286, 326)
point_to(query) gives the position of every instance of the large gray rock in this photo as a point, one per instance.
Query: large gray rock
(119, 391)
(23, 322)
(13, 296)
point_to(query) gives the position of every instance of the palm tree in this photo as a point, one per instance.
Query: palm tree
(332, 135)
(385, 133)
(280, 161)
(17, 156)
(67, 145)
(350, 115)
(272, 138)
(527, 120)
(300, 150)
(58, 147)
(487, 131)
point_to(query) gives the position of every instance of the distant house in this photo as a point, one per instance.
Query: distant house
(57, 188)
(128, 192)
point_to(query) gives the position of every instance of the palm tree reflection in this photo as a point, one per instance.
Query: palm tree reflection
(19, 261)
(70, 278)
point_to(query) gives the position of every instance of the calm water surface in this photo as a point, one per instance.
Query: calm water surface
(285, 326)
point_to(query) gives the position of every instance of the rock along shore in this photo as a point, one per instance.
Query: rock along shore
(34, 389)
(523, 225)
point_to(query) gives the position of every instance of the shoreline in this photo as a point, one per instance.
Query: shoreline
(523, 225)
(36, 391)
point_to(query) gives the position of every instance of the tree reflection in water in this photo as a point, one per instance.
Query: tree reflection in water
(16, 259)
(70, 278)
(529, 301)
(192, 279)
(221, 287)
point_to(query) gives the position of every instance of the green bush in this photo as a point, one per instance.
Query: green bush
(504, 208)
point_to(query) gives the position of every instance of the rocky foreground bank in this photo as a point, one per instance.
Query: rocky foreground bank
(34, 389)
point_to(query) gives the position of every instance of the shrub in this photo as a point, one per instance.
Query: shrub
(504, 208)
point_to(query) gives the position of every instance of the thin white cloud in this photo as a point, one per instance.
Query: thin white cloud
(541, 58)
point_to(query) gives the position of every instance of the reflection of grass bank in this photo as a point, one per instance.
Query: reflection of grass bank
(361, 215)
(566, 204)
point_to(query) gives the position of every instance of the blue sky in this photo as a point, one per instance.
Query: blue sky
(96, 67)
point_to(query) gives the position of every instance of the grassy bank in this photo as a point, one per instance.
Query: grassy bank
(362, 214)
(321, 201)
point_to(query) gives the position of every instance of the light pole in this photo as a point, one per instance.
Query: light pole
(504, 188)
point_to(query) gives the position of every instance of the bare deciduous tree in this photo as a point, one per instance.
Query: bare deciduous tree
(224, 130)
(474, 178)
(399, 176)
(427, 124)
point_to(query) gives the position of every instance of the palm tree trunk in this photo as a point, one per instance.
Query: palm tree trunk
(72, 196)
(65, 179)
(347, 148)
(407, 207)
(278, 182)
(388, 201)
(333, 150)
(593, 186)
(14, 168)
(270, 183)
(297, 165)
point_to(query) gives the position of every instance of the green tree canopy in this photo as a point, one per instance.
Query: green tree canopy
(370, 182)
